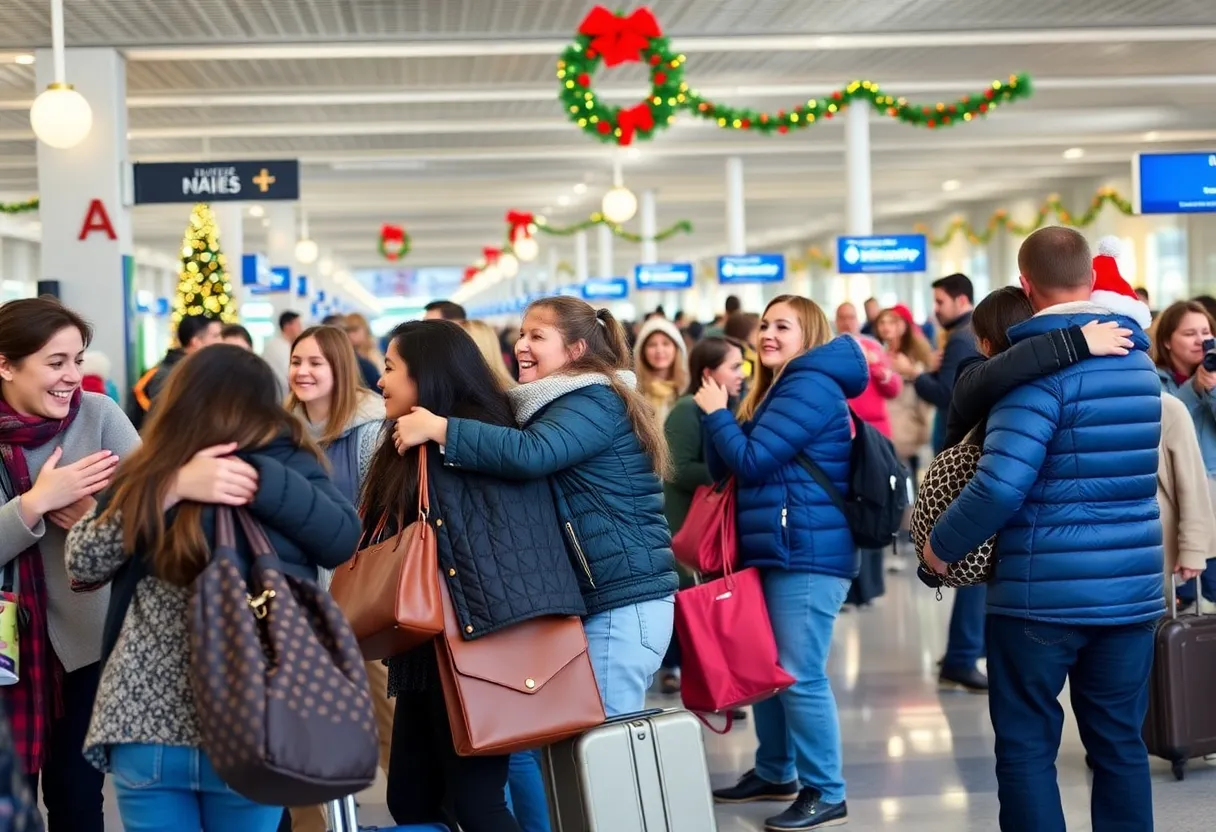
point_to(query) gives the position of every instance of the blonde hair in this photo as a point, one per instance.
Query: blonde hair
(488, 345)
(340, 354)
(815, 333)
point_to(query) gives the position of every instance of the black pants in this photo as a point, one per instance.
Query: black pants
(71, 787)
(425, 775)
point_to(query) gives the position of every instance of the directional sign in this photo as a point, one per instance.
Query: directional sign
(890, 253)
(606, 288)
(662, 276)
(751, 268)
(254, 270)
(280, 281)
(1174, 183)
(162, 182)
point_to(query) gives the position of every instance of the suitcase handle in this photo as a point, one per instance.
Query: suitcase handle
(1173, 599)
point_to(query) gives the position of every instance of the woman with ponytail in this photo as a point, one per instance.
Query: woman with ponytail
(582, 422)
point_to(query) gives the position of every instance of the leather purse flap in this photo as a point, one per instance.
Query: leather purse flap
(523, 657)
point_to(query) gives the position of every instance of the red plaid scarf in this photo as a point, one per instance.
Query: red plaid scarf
(30, 702)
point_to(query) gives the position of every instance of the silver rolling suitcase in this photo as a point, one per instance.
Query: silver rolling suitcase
(643, 772)
(342, 815)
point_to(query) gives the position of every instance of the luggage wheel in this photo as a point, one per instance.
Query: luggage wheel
(1179, 768)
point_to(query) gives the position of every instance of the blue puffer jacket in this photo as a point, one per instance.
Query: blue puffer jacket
(785, 520)
(1202, 407)
(1069, 480)
(576, 431)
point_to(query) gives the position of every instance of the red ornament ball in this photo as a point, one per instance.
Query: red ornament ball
(604, 127)
(764, 118)
(989, 93)
(655, 59)
(984, 107)
(584, 80)
(745, 123)
(836, 96)
(783, 128)
(592, 54)
(660, 77)
(931, 124)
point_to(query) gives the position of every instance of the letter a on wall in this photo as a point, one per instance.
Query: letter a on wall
(97, 220)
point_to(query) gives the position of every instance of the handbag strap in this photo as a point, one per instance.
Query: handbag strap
(822, 479)
(424, 500)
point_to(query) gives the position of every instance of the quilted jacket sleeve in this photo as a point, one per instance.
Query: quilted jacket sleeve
(567, 432)
(793, 415)
(301, 503)
(1020, 429)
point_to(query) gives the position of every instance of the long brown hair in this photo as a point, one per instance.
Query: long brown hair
(344, 400)
(912, 343)
(607, 352)
(220, 394)
(815, 333)
(1167, 324)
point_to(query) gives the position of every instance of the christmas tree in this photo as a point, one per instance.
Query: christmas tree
(203, 288)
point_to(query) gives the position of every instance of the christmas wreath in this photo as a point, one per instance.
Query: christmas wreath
(394, 242)
(615, 38)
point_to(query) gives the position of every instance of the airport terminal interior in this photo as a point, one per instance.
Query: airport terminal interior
(359, 160)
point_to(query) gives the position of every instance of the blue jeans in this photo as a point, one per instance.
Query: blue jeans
(1108, 670)
(965, 645)
(163, 787)
(626, 647)
(798, 730)
(526, 792)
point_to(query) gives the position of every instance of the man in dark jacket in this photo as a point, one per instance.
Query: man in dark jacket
(1068, 482)
(953, 297)
(193, 333)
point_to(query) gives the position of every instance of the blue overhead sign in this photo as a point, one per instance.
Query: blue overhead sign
(301, 286)
(606, 288)
(751, 268)
(254, 271)
(280, 281)
(164, 182)
(662, 276)
(883, 254)
(1174, 183)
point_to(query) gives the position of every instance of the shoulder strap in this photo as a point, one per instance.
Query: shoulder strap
(821, 478)
(8, 576)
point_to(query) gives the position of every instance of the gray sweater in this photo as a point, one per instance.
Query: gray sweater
(75, 618)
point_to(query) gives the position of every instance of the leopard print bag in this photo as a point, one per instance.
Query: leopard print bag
(944, 481)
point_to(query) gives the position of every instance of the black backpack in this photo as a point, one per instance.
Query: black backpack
(878, 487)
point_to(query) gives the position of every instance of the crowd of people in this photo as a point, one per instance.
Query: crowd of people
(560, 457)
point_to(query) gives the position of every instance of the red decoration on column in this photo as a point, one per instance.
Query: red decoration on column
(619, 39)
(97, 220)
(518, 222)
(491, 255)
(470, 272)
(634, 119)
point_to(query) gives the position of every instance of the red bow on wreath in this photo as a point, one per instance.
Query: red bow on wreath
(393, 242)
(518, 222)
(635, 118)
(618, 39)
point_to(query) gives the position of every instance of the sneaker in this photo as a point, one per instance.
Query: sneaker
(751, 789)
(965, 679)
(809, 812)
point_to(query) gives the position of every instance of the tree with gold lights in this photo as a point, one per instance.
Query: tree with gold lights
(203, 288)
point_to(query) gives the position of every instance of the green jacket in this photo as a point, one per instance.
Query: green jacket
(685, 439)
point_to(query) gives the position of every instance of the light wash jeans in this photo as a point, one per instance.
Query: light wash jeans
(627, 646)
(162, 787)
(798, 730)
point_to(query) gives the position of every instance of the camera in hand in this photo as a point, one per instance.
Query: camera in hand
(1209, 355)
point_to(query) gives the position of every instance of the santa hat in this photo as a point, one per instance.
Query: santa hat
(1111, 290)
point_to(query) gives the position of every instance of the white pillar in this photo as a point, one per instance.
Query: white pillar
(859, 218)
(581, 266)
(736, 228)
(229, 220)
(81, 193)
(281, 251)
(548, 285)
(650, 249)
(603, 245)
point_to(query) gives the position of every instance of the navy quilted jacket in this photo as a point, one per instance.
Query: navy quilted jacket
(1069, 480)
(501, 550)
(785, 520)
(609, 499)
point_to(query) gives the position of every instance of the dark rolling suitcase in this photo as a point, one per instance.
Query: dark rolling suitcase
(1181, 720)
(643, 772)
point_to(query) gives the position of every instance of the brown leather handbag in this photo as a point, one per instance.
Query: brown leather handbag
(390, 591)
(279, 686)
(523, 687)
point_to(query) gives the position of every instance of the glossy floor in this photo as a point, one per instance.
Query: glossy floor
(915, 759)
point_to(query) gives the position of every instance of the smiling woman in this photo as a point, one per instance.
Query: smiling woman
(59, 446)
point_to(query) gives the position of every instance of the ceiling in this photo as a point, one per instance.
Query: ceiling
(442, 114)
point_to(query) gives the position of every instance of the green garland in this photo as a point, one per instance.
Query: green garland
(1000, 219)
(30, 204)
(681, 227)
(669, 92)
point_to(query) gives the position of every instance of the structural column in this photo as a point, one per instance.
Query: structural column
(603, 245)
(646, 210)
(86, 227)
(859, 217)
(229, 221)
(736, 228)
(581, 265)
(281, 251)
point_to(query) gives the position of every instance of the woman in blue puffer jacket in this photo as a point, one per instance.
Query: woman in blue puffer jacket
(789, 527)
(583, 424)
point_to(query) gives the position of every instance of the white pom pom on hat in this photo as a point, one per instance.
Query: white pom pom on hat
(1110, 246)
